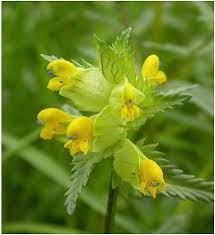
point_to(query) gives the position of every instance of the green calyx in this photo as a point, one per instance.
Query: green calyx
(90, 92)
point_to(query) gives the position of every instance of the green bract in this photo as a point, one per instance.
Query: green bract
(107, 130)
(90, 91)
(117, 61)
(127, 163)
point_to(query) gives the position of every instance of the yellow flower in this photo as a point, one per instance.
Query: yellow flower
(80, 133)
(151, 177)
(55, 122)
(150, 70)
(63, 72)
(129, 110)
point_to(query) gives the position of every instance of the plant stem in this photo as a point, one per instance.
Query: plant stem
(111, 207)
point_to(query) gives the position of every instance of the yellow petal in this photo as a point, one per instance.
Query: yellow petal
(135, 112)
(160, 77)
(130, 113)
(150, 66)
(56, 83)
(53, 115)
(128, 92)
(54, 122)
(82, 127)
(46, 134)
(62, 68)
(73, 146)
(68, 144)
(124, 113)
(75, 149)
(84, 146)
(152, 191)
(143, 186)
(153, 175)
(151, 171)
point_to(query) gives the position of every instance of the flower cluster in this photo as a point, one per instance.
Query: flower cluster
(115, 105)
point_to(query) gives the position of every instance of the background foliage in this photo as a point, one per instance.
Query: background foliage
(35, 173)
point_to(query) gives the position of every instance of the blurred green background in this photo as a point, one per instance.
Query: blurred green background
(35, 172)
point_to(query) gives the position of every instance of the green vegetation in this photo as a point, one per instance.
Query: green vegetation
(36, 173)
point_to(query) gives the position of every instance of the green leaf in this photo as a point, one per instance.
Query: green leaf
(174, 225)
(201, 96)
(187, 193)
(38, 159)
(49, 57)
(25, 141)
(108, 130)
(77, 63)
(191, 121)
(82, 64)
(161, 101)
(86, 64)
(117, 61)
(149, 150)
(82, 167)
(167, 47)
(177, 175)
(35, 227)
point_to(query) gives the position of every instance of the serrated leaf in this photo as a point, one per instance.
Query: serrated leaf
(187, 193)
(117, 61)
(178, 176)
(201, 96)
(86, 64)
(161, 101)
(49, 57)
(77, 63)
(82, 167)
(82, 64)
(149, 149)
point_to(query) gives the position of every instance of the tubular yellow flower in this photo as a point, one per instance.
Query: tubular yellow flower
(63, 72)
(150, 69)
(129, 110)
(151, 177)
(55, 122)
(80, 133)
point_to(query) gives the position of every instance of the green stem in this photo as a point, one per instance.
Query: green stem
(111, 207)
